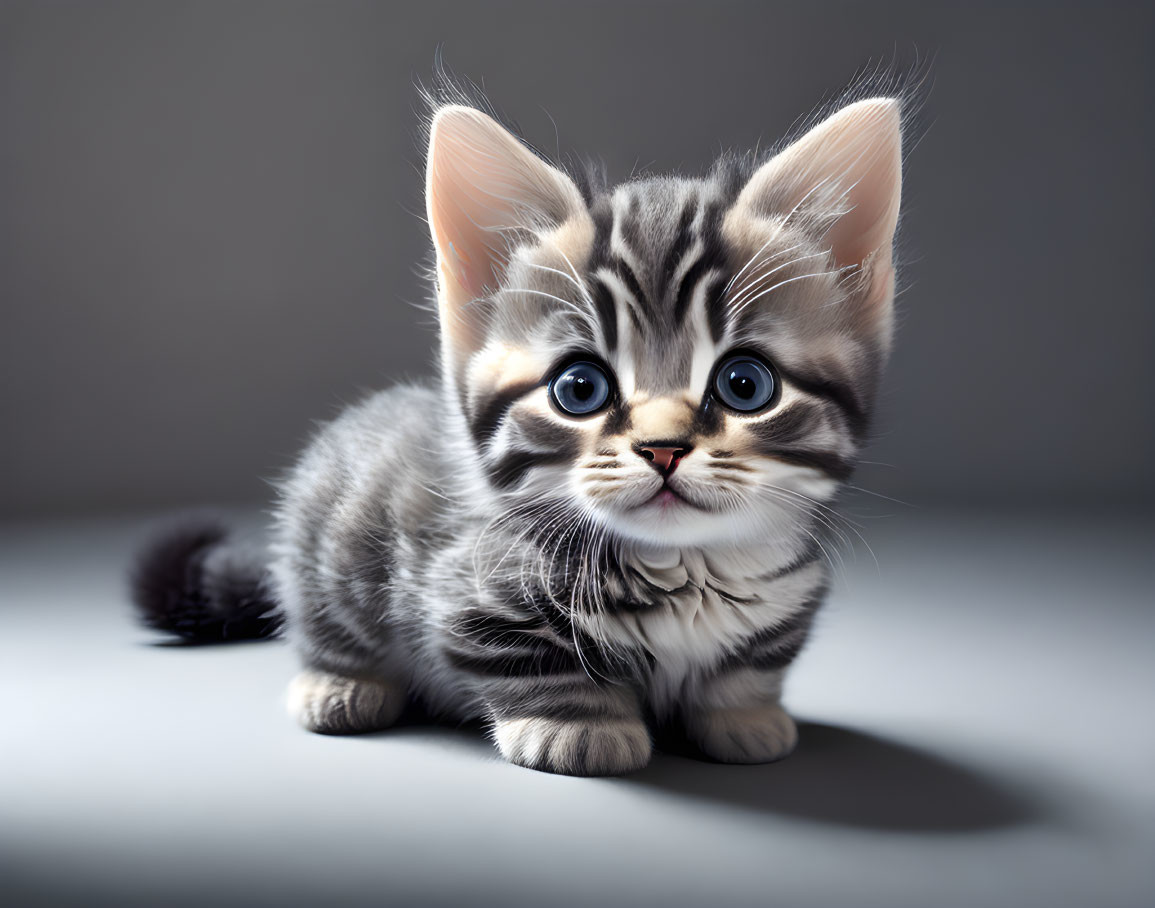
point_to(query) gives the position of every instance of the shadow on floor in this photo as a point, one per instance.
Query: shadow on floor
(849, 778)
(837, 775)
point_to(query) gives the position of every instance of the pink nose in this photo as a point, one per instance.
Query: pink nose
(663, 458)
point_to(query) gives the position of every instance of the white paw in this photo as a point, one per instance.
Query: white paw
(751, 734)
(335, 705)
(606, 747)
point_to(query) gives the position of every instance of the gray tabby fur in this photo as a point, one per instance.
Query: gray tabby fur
(462, 545)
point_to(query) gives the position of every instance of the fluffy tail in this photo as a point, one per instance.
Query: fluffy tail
(192, 580)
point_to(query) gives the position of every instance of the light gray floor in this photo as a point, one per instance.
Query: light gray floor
(978, 732)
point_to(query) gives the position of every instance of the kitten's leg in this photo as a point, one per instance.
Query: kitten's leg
(581, 730)
(332, 704)
(348, 684)
(733, 712)
(547, 712)
(735, 717)
(332, 576)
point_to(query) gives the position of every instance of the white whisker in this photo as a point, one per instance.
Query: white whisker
(739, 298)
(783, 284)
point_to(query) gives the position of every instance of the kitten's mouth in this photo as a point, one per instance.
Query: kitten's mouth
(666, 498)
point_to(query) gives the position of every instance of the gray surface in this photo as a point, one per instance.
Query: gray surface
(207, 239)
(979, 733)
(209, 230)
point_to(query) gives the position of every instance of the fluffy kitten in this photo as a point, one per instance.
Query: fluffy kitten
(608, 509)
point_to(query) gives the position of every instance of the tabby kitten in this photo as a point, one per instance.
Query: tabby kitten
(608, 509)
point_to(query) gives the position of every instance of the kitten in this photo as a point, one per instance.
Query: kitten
(608, 510)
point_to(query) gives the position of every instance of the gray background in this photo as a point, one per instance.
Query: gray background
(209, 237)
(210, 231)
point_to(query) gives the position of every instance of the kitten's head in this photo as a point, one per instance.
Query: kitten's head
(677, 361)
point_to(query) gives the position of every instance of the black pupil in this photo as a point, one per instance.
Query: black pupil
(743, 386)
(582, 387)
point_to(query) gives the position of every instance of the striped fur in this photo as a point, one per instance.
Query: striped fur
(470, 544)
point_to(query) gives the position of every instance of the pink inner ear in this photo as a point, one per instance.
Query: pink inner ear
(851, 161)
(462, 212)
(464, 256)
(482, 183)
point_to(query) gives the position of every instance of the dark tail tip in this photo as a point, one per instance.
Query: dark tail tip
(191, 580)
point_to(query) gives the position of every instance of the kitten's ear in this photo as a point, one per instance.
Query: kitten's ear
(848, 168)
(482, 187)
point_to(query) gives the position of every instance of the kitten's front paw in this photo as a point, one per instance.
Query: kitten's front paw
(608, 747)
(752, 734)
(336, 705)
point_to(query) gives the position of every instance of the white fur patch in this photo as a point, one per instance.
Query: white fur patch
(713, 602)
(749, 734)
(334, 705)
(584, 747)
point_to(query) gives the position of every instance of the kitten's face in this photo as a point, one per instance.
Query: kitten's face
(670, 362)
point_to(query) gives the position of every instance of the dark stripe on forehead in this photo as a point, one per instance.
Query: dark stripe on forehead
(712, 257)
(716, 308)
(646, 236)
(626, 273)
(630, 226)
(681, 242)
(607, 314)
(687, 287)
(603, 217)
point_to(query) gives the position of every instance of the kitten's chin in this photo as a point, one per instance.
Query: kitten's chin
(668, 519)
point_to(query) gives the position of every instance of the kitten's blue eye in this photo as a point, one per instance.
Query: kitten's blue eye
(581, 389)
(744, 383)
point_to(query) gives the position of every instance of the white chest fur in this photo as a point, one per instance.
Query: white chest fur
(703, 603)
